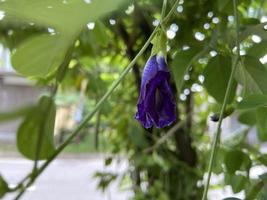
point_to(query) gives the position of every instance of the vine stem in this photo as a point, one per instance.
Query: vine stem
(226, 97)
(97, 106)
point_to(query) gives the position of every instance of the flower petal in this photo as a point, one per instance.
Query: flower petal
(156, 104)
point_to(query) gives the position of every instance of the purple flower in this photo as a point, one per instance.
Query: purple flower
(156, 104)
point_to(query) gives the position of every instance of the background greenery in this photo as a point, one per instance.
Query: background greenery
(57, 44)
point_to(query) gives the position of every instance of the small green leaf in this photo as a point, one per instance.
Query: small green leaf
(40, 55)
(159, 43)
(252, 75)
(3, 187)
(217, 74)
(253, 101)
(40, 121)
(261, 116)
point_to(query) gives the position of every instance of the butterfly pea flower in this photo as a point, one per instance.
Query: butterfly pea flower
(156, 103)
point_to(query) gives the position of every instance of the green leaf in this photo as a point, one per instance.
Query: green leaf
(159, 43)
(252, 75)
(261, 116)
(40, 56)
(263, 159)
(247, 117)
(236, 160)
(181, 63)
(253, 101)
(37, 130)
(3, 187)
(14, 114)
(217, 74)
(258, 50)
(100, 34)
(264, 177)
(238, 182)
(68, 18)
(225, 6)
(236, 138)
(254, 191)
(257, 29)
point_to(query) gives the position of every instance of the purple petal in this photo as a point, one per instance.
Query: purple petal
(156, 104)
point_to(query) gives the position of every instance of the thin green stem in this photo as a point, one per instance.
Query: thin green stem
(226, 97)
(60, 74)
(96, 108)
(174, 7)
(163, 11)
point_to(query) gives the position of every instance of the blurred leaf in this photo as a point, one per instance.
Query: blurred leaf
(161, 161)
(181, 63)
(253, 101)
(252, 75)
(225, 6)
(12, 115)
(3, 187)
(263, 159)
(258, 50)
(238, 182)
(68, 18)
(218, 166)
(105, 179)
(263, 193)
(108, 161)
(39, 121)
(137, 136)
(236, 160)
(264, 177)
(254, 191)
(261, 116)
(254, 29)
(100, 34)
(40, 55)
(217, 74)
(247, 117)
(236, 138)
